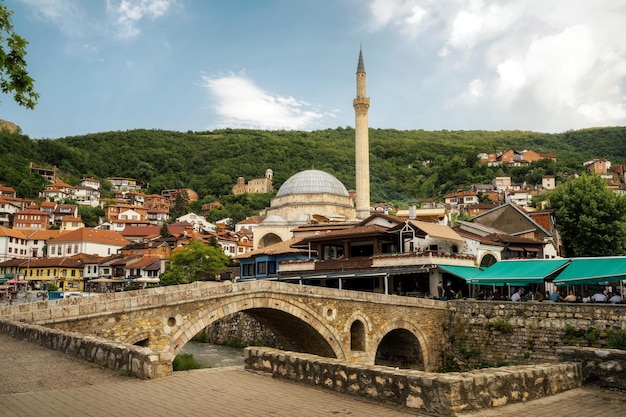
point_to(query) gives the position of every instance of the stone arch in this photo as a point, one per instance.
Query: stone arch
(487, 260)
(269, 239)
(279, 315)
(139, 339)
(357, 336)
(358, 317)
(402, 327)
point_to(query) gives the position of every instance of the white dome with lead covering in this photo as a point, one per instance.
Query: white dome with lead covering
(312, 181)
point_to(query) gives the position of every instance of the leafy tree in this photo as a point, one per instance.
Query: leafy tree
(180, 205)
(195, 261)
(590, 217)
(165, 231)
(14, 78)
(91, 215)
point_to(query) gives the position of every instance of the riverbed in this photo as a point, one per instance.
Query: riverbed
(214, 356)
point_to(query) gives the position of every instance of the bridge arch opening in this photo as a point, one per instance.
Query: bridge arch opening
(296, 328)
(400, 348)
(292, 333)
(357, 336)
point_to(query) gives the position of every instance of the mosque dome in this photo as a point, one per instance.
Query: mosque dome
(274, 219)
(312, 181)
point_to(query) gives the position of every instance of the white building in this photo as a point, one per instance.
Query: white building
(88, 241)
(198, 222)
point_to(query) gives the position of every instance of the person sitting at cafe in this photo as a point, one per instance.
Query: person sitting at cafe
(555, 296)
(616, 298)
(599, 297)
(571, 298)
(517, 296)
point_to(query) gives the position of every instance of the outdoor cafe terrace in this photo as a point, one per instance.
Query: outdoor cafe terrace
(404, 260)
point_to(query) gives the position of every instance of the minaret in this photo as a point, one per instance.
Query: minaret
(361, 144)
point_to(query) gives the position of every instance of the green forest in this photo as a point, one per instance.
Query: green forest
(405, 165)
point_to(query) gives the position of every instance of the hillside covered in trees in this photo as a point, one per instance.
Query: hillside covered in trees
(404, 165)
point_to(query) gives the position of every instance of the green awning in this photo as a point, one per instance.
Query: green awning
(514, 272)
(593, 271)
(464, 272)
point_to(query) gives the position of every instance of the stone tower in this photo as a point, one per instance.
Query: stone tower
(362, 149)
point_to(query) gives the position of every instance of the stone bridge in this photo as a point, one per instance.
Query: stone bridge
(156, 323)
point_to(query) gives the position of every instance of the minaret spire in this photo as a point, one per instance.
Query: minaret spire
(361, 66)
(361, 143)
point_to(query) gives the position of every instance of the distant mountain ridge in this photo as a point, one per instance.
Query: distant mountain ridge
(404, 165)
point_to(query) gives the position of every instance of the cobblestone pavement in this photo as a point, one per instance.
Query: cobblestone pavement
(35, 381)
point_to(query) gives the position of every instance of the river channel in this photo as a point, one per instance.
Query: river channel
(214, 356)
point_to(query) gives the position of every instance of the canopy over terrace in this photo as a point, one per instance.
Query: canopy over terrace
(513, 272)
(592, 271)
(571, 271)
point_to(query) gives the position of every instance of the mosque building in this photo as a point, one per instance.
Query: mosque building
(317, 197)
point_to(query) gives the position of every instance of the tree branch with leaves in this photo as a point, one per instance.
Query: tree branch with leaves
(14, 78)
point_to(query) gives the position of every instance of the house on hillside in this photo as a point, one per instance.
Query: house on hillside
(249, 223)
(7, 192)
(63, 210)
(491, 245)
(158, 216)
(521, 198)
(123, 184)
(86, 241)
(13, 244)
(87, 196)
(38, 241)
(7, 211)
(58, 191)
(548, 182)
(515, 221)
(141, 233)
(31, 218)
(159, 248)
(71, 223)
(197, 222)
(599, 166)
(459, 200)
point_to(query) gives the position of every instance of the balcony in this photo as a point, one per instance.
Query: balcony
(403, 260)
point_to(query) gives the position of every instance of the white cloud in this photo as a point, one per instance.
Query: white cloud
(67, 15)
(406, 15)
(77, 20)
(240, 103)
(560, 61)
(127, 13)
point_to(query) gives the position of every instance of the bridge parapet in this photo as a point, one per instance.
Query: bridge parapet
(51, 311)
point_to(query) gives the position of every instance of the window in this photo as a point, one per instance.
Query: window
(261, 268)
(271, 267)
(248, 270)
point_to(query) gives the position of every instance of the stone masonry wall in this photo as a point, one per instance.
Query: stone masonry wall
(242, 329)
(488, 332)
(134, 360)
(604, 367)
(441, 394)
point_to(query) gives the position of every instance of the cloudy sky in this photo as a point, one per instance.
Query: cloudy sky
(102, 65)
